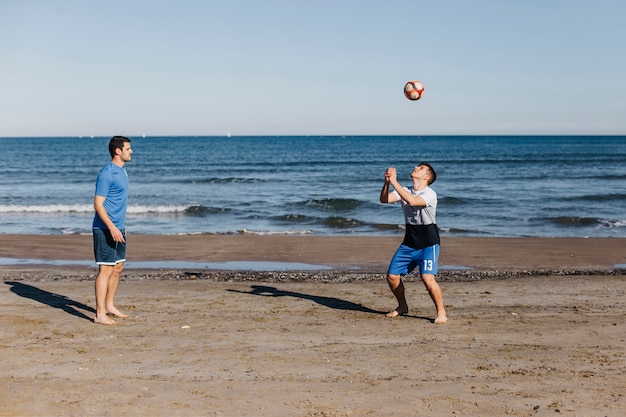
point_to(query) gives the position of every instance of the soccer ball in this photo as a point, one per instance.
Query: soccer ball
(414, 90)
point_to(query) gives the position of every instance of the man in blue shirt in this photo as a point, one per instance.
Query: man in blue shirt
(109, 230)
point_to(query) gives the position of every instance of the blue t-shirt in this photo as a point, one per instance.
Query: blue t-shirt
(112, 183)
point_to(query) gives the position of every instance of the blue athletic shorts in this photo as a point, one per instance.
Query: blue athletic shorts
(106, 250)
(406, 259)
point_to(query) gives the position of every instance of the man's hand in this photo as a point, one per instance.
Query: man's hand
(117, 235)
(390, 174)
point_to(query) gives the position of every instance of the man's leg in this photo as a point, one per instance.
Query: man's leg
(435, 294)
(397, 288)
(114, 281)
(102, 288)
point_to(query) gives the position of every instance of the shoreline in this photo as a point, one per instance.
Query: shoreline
(344, 258)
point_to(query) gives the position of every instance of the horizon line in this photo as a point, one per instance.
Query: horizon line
(231, 136)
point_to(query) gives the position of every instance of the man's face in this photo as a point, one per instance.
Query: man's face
(126, 152)
(420, 171)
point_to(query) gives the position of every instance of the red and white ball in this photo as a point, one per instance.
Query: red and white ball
(413, 90)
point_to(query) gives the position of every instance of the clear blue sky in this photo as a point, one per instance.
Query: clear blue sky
(317, 67)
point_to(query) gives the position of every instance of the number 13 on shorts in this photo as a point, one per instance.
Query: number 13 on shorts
(427, 266)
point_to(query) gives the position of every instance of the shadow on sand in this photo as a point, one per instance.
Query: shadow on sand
(330, 302)
(53, 300)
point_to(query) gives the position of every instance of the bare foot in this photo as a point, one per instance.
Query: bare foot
(105, 320)
(397, 312)
(441, 320)
(116, 312)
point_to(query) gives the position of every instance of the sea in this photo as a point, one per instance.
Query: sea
(500, 186)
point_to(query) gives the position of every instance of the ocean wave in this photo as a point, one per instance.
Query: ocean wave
(387, 226)
(461, 231)
(607, 177)
(274, 232)
(192, 210)
(460, 201)
(575, 221)
(337, 222)
(182, 179)
(201, 211)
(333, 204)
(47, 208)
(334, 222)
(598, 197)
(293, 218)
(230, 180)
(452, 201)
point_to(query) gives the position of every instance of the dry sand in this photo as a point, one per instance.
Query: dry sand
(536, 328)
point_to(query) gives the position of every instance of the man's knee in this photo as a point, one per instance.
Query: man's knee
(428, 280)
(109, 270)
(394, 281)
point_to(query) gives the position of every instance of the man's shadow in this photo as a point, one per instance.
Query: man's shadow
(330, 302)
(51, 299)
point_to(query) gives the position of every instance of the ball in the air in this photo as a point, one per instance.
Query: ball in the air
(414, 90)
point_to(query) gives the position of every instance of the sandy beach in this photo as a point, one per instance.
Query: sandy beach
(536, 328)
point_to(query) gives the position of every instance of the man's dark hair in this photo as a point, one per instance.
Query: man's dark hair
(117, 142)
(433, 174)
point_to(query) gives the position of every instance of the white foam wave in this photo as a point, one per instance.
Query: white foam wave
(140, 209)
(87, 208)
(47, 208)
(278, 233)
(613, 223)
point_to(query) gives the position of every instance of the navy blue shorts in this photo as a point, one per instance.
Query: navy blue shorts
(406, 259)
(106, 250)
